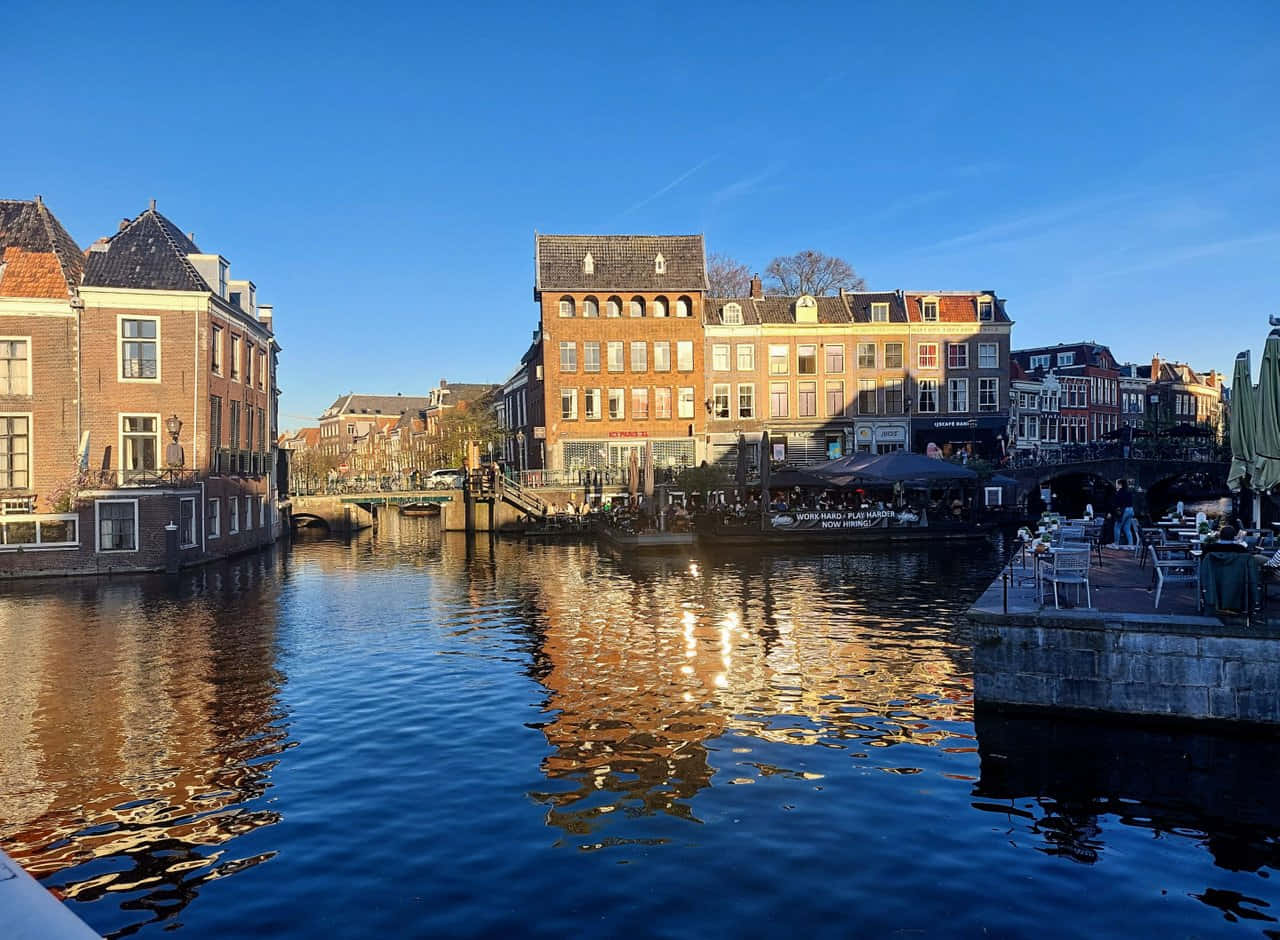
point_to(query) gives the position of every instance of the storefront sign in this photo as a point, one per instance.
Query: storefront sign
(810, 520)
(628, 433)
(954, 423)
(892, 435)
(864, 434)
(540, 433)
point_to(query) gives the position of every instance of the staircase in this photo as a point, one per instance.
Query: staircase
(510, 492)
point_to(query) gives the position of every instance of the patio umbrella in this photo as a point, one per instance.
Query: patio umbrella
(741, 476)
(633, 474)
(790, 478)
(650, 473)
(765, 457)
(897, 467)
(1266, 434)
(1242, 422)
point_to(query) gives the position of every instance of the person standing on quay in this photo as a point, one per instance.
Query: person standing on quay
(1127, 527)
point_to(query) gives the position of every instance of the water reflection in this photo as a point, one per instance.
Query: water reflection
(140, 731)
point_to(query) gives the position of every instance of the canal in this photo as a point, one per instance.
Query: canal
(412, 735)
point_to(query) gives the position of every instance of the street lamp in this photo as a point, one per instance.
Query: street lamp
(520, 444)
(173, 456)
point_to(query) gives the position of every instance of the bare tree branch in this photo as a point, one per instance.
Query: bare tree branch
(727, 277)
(811, 272)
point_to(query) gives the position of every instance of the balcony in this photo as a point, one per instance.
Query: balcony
(111, 479)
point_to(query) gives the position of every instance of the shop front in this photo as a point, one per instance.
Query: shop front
(981, 437)
(879, 437)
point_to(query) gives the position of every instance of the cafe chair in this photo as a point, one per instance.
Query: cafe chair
(1174, 565)
(1071, 567)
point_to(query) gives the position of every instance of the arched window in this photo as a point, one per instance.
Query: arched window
(637, 306)
(566, 306)
(683, 307)
(732, 314)
(590, 306)
(614, 308)
(588, 264)
(659, 265)
(660, 308)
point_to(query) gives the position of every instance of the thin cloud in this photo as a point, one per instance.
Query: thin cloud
(743, 187)
(670, 186)
(1193, 253)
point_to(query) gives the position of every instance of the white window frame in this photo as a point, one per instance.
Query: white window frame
(248, 513)
(989, 307)
(902, 355)
(989, 348)
(566, 306)
(1039, 362)
(618, 364)
(875, 354)
(813, 355)
(986, 383)
(684, 402)
(920, 355)
(921, 386)
(589, 347)
(720, 357)
(779, 354)
(879, 312)
(572, 349)
(233, 515)
(965, 363)
(954, 385)
(827, 350)
(213, 523)
(97, 528)
(587, 395)
(569, 395)
(750, 350)
(731, 314)
(1066, 359)
(684, 355)
(664, 347)
(620, 396)
(924, 311)
(750, 389)
(195, 522)
(721, 392)
(640, 395)
(120, 341)
(120, 435)
(641, 347)
(31, 447)
(31, 382)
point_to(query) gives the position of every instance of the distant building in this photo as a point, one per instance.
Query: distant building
(1089, 405)
(1178, 394)
(522, 412)
(351, 416)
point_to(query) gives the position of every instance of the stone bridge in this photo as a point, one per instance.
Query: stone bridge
(349, 512)
(1142, 472)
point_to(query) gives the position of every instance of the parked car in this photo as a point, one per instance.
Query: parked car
(445, 480)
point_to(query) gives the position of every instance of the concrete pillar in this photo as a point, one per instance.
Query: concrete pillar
(171, 549)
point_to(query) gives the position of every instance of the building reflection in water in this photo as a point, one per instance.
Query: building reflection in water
(1061, 783)
(138, 737)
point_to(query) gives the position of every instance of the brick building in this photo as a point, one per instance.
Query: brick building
(352, 416)
(157, 397)
(621, 326)
(1177, 394)
(1090, 402)
(522, 411)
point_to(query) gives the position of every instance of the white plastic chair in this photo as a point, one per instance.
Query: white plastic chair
(1071, 567)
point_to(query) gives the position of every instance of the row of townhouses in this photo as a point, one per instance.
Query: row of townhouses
(631, 349)
(138, 399)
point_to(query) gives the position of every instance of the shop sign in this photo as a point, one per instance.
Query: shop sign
(864, 433)
(812, 520)
(954, 423)
(540, 433)
(892, 435)
(616, 434)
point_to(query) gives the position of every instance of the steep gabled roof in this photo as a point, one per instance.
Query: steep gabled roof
(149, 253)
(956, 306)
(353, 403)
(39, 258)
(619, 263)
(775, 309)
(860, 305)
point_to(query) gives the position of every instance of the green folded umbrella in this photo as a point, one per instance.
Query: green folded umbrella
(1266, 436)
(1243, 421)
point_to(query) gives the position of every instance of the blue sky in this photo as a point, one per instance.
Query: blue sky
(379, 170)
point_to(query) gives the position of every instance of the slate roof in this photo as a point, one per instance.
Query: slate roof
(40, 259)
(860, 305)
(621, 262)
(149, 253)
(774, 309)
(1087, 354)
(377, 404)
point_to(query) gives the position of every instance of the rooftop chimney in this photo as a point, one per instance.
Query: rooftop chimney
(124, 224)
(757, 288)
(1155, 368)
(152, 207)
(39, 200)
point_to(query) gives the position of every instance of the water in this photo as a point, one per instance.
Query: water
(408, 736)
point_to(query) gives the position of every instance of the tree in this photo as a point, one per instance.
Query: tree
(812, 272)
(467, 421)
(727, 277)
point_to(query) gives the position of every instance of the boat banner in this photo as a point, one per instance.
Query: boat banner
(802, 520)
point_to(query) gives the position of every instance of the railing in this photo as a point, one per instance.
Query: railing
(39, 531)
(110, 479)
(1052, 454)
(588, 476)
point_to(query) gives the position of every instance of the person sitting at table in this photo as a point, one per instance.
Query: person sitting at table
(1228, 541)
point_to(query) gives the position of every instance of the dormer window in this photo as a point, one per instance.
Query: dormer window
(732, 314)
(235, 298)
(879, 313)
(986, 309)
(806, 309)
(929, 310)
(659, 265)
(1066, 359)
(566, 306)
(588, 264)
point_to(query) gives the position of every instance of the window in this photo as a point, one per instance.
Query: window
(986, 310)
(1039, 362)
(262, 370)
(866, 396)
(833, 353)
(988, 356)
(929, 311)
(720, 357)
(684, 355)
(957, 395)
(15, 452)
(213, 519)
(684, 403)
(248, 426)
(988, 394)
(248, 363)
(746, 357)
(640, 404)
(639, 357)
(732, 314)
(262, 511)
(187, 522)
(568, 357)
(893, 399)
(568, 404)
(662, 404)
(893, 355)
(835, 399)
(139, 445)
(684, 308)
(235, 358)
(614, 307)
(746, 401)
(779, 399)
(591, 306)
(588, 264)
(235, 426)
(590, 356)
(617, 404)
(215, 350)
(927, 355)
(778, 356)
(879, 313)
(806, 360)
(1066, 359)
(659, 265)
(215, 421)
(15, 367)
(566, 306)
(139, 350)
(662, 356)
(591, 404)
(233, 515)
(957, 355)
(637, 306)
(117, 525)
(720, 401)
(866, 355)
(807, 399)
(248, 514)
(928, 396)
(614, 351)
(660, 308)
(235, 297)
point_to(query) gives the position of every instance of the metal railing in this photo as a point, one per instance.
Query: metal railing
(168, 476)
